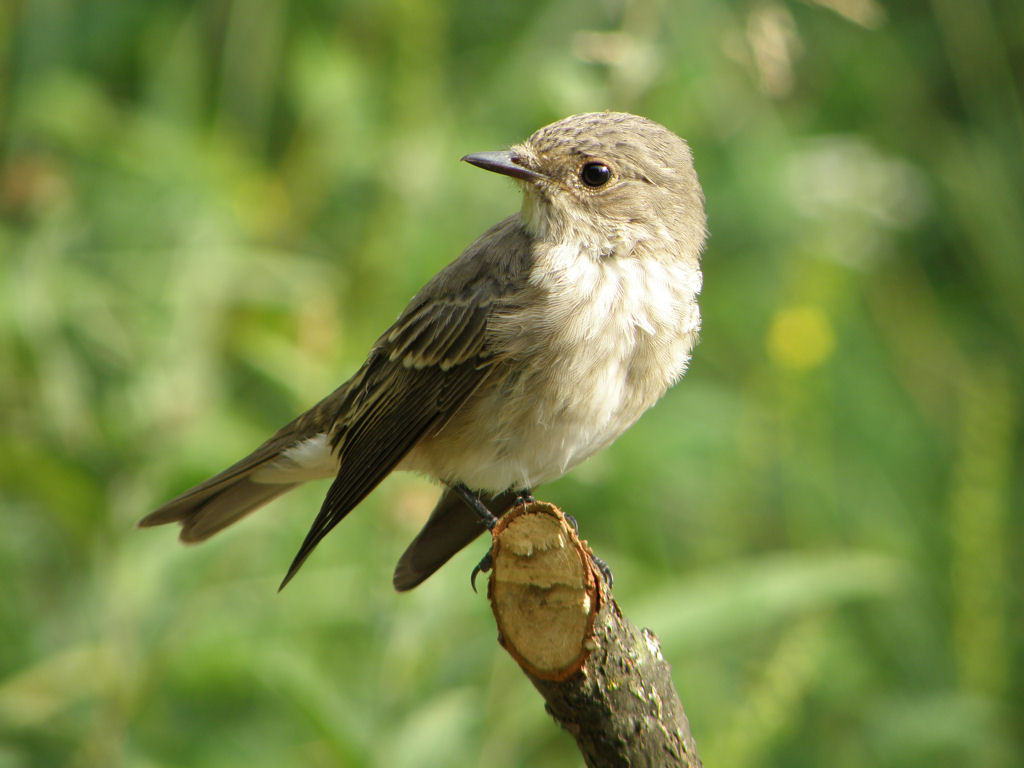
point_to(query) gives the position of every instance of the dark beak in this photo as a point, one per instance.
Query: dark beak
(503, 162)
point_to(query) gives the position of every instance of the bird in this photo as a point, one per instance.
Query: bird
(536, 348)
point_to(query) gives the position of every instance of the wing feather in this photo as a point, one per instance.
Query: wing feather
(412, 402)
(420, 371)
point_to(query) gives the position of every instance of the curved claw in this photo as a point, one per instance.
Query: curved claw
(485, 565)
(602, 566)
(523, 497)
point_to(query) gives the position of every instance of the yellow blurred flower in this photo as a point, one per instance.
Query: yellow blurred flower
(800, 337)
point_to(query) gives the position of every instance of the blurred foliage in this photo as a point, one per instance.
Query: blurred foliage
(208, 211)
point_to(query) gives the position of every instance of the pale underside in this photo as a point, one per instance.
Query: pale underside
(609, 336)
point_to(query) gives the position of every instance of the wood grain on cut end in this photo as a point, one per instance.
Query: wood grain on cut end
(605, 681)
(544, 591)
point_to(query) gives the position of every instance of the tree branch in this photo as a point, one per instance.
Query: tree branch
(604, 680)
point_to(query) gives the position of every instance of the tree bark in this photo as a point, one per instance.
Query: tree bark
(603, 680)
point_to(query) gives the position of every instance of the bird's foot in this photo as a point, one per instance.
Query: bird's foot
(484, 566)
(602, 566)
(523, 497)
(487, 518)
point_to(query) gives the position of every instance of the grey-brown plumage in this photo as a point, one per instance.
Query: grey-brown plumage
(545, 340)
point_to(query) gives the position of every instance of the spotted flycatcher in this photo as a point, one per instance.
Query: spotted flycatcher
(536, 348)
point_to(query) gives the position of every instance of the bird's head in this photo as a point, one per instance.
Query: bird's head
(609, 179)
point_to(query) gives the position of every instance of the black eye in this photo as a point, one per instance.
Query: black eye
(595, 174)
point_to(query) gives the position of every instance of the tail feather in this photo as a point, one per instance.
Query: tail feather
(297, 452)
(243, 487)
(451, 526)
(205, 510)
(227, 507)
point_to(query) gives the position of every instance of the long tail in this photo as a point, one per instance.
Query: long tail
(215, 504)
(297, 453)
(452, 525)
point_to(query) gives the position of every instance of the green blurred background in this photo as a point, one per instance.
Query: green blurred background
(209, 212)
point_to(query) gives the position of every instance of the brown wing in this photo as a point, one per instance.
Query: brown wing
(420, 371)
